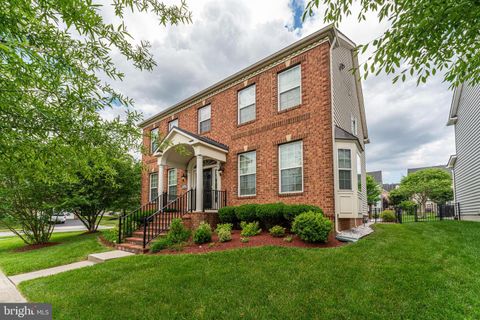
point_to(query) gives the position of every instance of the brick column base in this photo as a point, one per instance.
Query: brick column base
(192, 220)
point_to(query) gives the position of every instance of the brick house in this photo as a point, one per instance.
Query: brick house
(290, 128)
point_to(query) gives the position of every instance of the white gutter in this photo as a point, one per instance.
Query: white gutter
(334, 42)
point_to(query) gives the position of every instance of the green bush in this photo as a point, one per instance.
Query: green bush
(246, 212)
(227, 215)
(111, 235)
(290, 212)
(203, 234)
(270, 214)
(388, 216)
(312, 227)
(224, 235)
(160, 244)
(408, 206)
(288, 239)
(277, 231)
(226, 226)
(250, 229)
(178, 233)
(244, 240)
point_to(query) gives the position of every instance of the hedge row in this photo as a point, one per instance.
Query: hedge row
(268, 215)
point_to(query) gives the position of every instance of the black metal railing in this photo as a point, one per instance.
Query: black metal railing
(431, 212)
(214, 199)
(128, 223)
(159, 222)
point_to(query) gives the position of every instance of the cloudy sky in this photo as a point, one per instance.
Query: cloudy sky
(406, 123)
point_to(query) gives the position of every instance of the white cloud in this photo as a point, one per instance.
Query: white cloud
(406, 122)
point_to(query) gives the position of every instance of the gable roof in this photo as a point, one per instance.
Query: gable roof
(201, 138)
(443, 167)
(377, 176)
(327, 33)
(341, 134)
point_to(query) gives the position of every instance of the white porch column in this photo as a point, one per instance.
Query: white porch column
(199, 187)
(219, 178)
(161, 169)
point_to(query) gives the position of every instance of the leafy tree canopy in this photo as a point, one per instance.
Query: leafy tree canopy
(424, 37)
(373, 191)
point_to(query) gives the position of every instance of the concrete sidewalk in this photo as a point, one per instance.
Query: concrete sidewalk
(8, 291)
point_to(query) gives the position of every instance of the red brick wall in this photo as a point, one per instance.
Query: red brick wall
(310, 122)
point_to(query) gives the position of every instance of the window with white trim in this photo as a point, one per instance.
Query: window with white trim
(359, 172)
(354, 125)
(290, 157)
(153, 140)
(172, 184)
(247, 173)
(172, 124)
(204, 122)
(153, 186)
(246, 104)
(289, 88)
(344, 169)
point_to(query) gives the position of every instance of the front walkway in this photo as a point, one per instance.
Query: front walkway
(9, 293)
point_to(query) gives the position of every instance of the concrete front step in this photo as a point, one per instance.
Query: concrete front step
(109, 255)
(139, 234)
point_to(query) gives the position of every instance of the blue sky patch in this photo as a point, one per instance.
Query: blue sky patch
(297, 7)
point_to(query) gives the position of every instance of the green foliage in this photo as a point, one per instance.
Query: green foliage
(407, 205)
(452, 46)
(373, 191)
(277, 231)
(55, 70)
(225, 226)
(224, 232)
(178, 233)
(433, 184)
(312, 227)
(270, 214)
(246, 212)
(250, 229)
(293, 210)
(288, 239)
(111, 235)
(388, 216)
(227, 215)
(160, 244)
(203, 234)
(397, 196)
(244, 239)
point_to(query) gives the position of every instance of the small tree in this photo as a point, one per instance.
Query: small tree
(373, 191)
(397, 196)
(428, 184)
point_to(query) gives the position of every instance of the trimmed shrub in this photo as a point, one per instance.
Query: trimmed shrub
(271, 214)
(250, 229)
(160, 244)
(388, 216)
(110, 235)
(312, 227)
(226, 226)
(203, 234)
(224, 235)
(227, 215)
(290, 212)
(246, 212)
(178, 233)
(277, 231)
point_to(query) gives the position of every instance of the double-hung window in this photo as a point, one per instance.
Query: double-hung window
(172, 184)
(153, 140)
(153, 186)
(172, 124)
(204, 122)
(246, 104)
(359, 172)
(291, 167)
(247, 173)
(289, 88)
(345, 169)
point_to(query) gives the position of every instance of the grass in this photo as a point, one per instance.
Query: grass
(73, 247)
(109, 221)
(409, 271)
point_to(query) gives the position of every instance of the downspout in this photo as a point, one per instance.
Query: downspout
(334, 42)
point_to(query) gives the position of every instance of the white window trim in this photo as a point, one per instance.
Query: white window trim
(280, 169)
(345, 169)
(168, 180)
(170, 127)
(254, 104)
(239, 175)
(278, 87)
(198, 118)
(150, 185)
(153, 140)
(354, 125)
(359, 173)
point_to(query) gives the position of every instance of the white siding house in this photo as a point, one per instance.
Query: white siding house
(465, 116)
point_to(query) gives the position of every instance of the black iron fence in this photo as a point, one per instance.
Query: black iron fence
(431, 212)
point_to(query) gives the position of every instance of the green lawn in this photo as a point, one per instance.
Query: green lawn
(109, 221)
(74, 247)
(409, 271)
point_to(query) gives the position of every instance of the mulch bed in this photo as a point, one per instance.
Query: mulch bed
(35, 246)
(263, 239)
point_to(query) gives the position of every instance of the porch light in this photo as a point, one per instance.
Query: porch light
(184, 176)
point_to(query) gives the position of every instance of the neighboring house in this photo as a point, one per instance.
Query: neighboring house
(443, 167)
(465, 117)
(288, 128)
